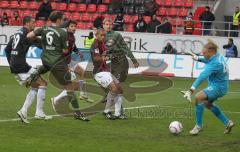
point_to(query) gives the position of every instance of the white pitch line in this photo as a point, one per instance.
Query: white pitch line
(185, 89)
(128, 108)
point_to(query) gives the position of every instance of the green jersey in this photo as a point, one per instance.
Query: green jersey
(118, 48)
(54, 41)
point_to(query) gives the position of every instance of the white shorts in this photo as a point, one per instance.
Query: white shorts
(22, 77)
(73, 64)
(105, 78)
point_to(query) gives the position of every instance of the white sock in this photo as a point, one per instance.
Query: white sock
(29, 100)
(61, 95)
(40, 100)
(82, 86)
(118, 104)
(110, 100)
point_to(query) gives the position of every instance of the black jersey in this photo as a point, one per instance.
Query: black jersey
(16, 51)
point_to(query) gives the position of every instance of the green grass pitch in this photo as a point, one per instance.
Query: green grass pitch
(145, 130)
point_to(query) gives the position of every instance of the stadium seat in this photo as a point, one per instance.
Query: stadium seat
(82, 8)
(40, 23)
(197, 32)
(147, 19)
(75, 16)
(34, 5)
(107, 16)
(67, 15)
(134, 18)
(91, 8)
(101, 8)
(174, 30)
(8, 11)
(23, 5)
(198, 25)
(25, 13)
(62, 7)
(162, 11)
(178, 3)
(129, 28)
(54, 5)
(89, 25)
(4, 4)
(94, 16)
(183, 12)
(85, 17)
(14, 4)
(34, 13)
(159, 2)
(188, 3)
(72, 7)
(172, 11)
(179, 21)
(127, 19)
(81, 25)
(167, 3)
(106, 1)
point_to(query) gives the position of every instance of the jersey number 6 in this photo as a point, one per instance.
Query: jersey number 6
(49, 37)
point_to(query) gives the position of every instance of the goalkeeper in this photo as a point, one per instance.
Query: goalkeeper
(216, 71)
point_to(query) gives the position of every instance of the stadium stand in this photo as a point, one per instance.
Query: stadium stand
(175, 10)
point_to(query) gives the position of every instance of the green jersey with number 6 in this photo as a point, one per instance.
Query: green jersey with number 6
(54, 40)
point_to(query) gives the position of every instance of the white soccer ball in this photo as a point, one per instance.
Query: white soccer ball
(175, 127)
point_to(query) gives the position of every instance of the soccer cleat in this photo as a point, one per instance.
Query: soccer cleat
(122, 116)
(43, 117)
(80, 116)
(109, 115)
(195, 130)
(228, 129)
(22, 117)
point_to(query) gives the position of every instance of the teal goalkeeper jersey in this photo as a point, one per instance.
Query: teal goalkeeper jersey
(216, 71)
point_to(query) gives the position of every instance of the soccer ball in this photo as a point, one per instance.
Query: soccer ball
(175, 127)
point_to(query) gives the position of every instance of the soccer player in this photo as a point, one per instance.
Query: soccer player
(54, 44)
(119, 50)
(216, 71)
(75, 67)
(105, 78)
(16, 51)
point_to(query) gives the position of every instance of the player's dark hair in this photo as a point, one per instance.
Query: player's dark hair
(55, 15)
(70, 22)
(27, 19)
(230, 39)
(99, 30)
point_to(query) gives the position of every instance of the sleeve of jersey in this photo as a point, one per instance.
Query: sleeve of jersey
(38, 31)
(125, 48)
(64, 40)
(202, 59)
(8, 50)
(209, 69)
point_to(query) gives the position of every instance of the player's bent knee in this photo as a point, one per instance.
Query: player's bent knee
(208, 105)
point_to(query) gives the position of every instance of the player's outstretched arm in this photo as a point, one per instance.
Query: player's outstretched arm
(127, 51)
(31, 35)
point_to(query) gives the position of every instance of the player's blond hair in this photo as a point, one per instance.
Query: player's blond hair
(211, 45)
(107, 19)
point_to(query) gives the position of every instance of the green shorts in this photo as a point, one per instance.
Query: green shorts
(61, 73)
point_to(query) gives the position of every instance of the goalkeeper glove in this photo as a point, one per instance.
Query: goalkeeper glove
(187, 94)
(195, 57)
